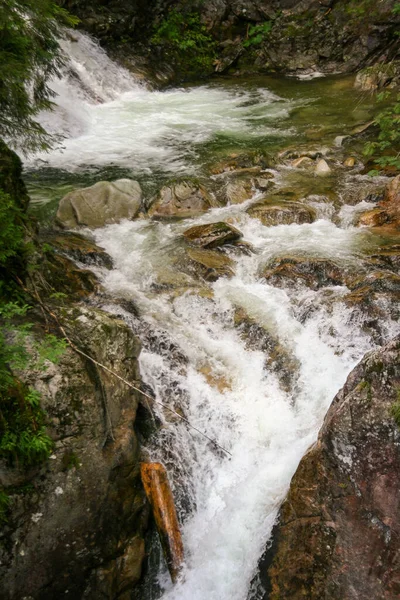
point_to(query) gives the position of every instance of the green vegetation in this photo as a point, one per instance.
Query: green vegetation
(12, 231)
(257, 34)
(29, 56)
(4, 506)
(395, 410)
(385, 151)
(182, 36)
(22, 421)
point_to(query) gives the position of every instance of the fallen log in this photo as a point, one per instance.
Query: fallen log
(158, 492)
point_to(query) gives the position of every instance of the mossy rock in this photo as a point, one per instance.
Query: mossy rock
(79, 248)
(180, 200)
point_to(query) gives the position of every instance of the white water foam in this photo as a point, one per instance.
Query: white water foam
(109, 118)
(264, 427)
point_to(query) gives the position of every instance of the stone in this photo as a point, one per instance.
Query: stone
(212, 235)
(313, 272)
(338, 533)
(79, 248)
(303, 161)
(387, 211)
(282, 213)
(264, 183)
(339, 139)
(207, 264)
(101, 204)
(238, 191)
(181, 200)
(322, 167)
(350, 161)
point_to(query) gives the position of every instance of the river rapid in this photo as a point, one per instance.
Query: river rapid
(210, 348)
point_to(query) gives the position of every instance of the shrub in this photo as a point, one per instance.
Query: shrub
(183, 35)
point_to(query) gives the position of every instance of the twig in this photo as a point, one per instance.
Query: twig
(130, 385)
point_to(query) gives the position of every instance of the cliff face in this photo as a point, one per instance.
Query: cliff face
(338, 536)
(250, 35)
(75, 524)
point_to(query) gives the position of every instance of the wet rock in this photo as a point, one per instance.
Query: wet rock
(322, 167)
(181, 200)
(303, 162)
(79, 248)
(212, 235)
(375, 285)
(381, 75)
(76, 523)
(101, 204)
(339, 139)
(228, 56)
(238, 191)
(278, 358)
(207, 264)
(350, 161)
(264, 183)
(312, 272)
(339, 529)
(273, 212)
(59, 276)
(388, 209)
(249, 162)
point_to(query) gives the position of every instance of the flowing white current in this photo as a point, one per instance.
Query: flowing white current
(207, 349)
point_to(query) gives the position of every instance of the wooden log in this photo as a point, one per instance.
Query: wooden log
(158, 492)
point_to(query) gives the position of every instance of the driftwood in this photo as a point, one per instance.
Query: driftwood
(158, 492)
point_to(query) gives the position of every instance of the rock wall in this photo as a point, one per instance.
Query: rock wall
(338, 535)
(305, 35)
(75, 524)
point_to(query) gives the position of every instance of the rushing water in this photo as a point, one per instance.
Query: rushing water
(197, 354)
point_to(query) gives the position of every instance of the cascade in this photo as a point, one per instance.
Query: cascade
(197, 354)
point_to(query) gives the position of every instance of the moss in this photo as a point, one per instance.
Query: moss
(4, 506)
(70, 460)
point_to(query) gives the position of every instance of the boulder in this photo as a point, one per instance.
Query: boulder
(238, 191)
(206, 265)
(313, 272)
(182, 199)
(212, 235)
(338, 534)
(79, 248)
(274, 212)
(388, 209)
(100, 204)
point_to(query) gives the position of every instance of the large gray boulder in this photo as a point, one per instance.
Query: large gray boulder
(101, 204)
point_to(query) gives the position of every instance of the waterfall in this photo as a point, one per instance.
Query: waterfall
(210, 350)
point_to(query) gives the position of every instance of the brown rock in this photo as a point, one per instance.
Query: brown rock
(313, 272)
(338, 536)
(209, 264)
(212, 235)
(388, 210)
(275, 212)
